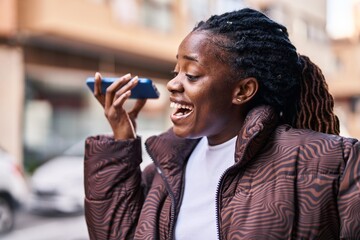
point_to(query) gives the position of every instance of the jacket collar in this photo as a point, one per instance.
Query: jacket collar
(171, 152)
(260, 122)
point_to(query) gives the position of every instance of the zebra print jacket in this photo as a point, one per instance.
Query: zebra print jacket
(286, 183)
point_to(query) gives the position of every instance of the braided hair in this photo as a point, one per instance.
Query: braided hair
(259, 47)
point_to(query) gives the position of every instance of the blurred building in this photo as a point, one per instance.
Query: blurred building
(49, 47)
(328, 32)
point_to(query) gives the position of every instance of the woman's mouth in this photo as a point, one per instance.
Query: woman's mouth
(181, 110)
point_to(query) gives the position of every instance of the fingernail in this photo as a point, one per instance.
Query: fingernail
(97, 75)
(128, 75)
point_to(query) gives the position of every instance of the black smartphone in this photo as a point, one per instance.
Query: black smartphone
(144, 89)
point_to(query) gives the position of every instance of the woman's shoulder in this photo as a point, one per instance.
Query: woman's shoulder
(314, 152)
(304, 136)
(316, 143)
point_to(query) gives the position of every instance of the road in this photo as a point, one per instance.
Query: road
(31, 226)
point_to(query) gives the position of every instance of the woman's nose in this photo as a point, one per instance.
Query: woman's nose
(175, 85)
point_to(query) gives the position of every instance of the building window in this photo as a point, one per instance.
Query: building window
(125, 11)
(308, 31)
(157, 14)
(222, 6)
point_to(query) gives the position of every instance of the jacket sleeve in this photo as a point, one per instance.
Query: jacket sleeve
(349, 192)
(113, 190)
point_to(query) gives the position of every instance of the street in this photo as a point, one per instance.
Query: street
(31, 226)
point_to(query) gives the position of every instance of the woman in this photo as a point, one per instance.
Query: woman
(254, 151)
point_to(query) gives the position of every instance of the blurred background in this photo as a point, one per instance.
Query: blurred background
(49, 47)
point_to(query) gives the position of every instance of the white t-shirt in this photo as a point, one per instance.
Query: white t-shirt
(197, 217)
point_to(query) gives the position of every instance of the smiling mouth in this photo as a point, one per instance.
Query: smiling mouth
(181, 110)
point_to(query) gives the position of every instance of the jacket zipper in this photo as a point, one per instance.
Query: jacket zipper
(219, 187)
(217, 201)
(172, 197)
(171, 194)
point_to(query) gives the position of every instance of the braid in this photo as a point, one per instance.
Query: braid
(259, 47)
(315, 110)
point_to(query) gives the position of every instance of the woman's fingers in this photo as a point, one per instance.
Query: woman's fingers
(116, 89)
(119, 101)
(97, 89)
(113, 100)
(119, 83)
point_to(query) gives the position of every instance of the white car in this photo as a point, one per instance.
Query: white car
(14, 190)
(57, 185)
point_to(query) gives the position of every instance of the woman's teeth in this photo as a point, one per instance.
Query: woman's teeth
(181, 109)
(180, 106)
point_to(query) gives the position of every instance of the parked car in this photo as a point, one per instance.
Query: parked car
(14, 190)
(57, 185)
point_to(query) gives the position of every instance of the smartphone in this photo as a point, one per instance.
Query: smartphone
(144, 89)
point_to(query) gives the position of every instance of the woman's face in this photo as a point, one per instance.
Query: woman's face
(201, 92)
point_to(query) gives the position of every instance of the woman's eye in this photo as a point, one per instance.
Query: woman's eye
(191, 77)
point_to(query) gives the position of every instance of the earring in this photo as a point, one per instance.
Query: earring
(239, 99)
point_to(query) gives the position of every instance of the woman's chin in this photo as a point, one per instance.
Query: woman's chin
(180, 133)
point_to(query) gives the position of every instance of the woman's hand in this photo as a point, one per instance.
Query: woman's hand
(122, 123)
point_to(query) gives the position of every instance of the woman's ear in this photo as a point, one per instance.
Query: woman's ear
(245, 90)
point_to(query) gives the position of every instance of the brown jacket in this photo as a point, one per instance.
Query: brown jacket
(286, 183)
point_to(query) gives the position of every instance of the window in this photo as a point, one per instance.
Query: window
(157, 14)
